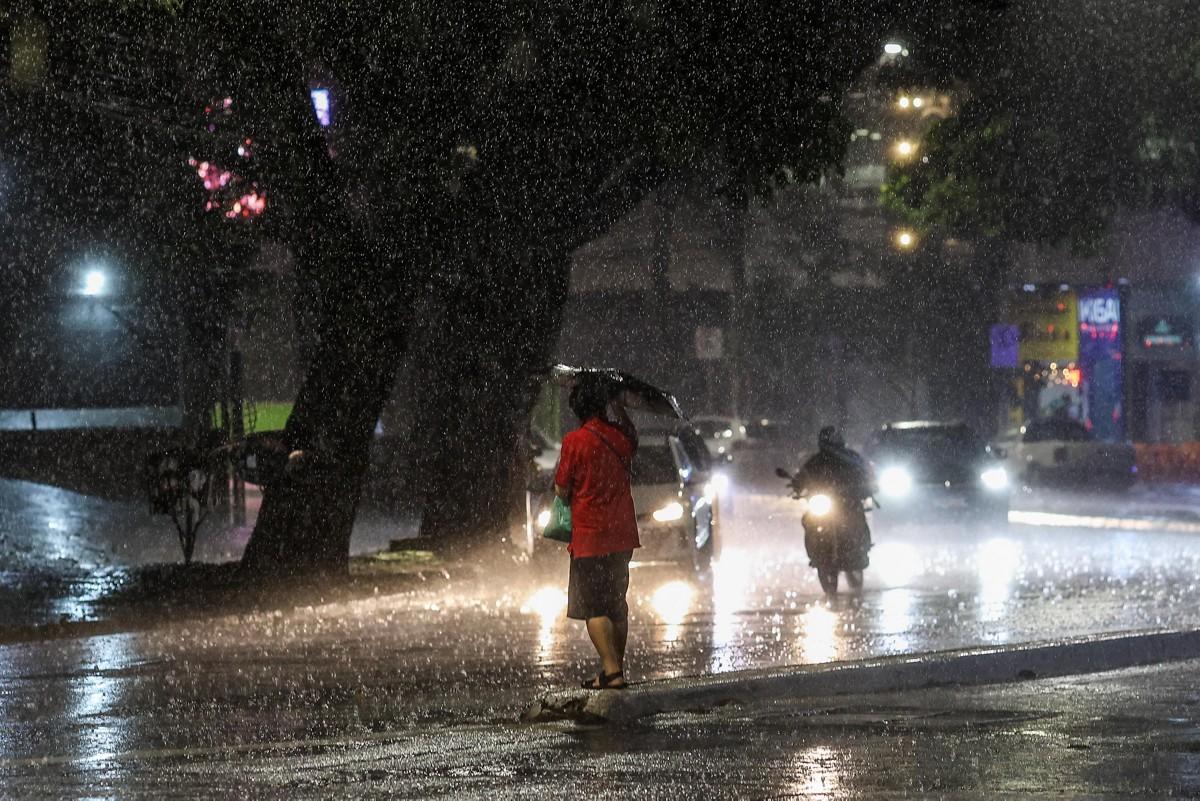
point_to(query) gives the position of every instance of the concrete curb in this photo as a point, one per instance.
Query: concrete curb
(971, 666)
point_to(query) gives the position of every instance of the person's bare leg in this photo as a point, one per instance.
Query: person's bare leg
(621, 631)
(603, 633)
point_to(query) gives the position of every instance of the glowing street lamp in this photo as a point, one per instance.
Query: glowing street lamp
(905, 239)
(905, 149)
(94, 282)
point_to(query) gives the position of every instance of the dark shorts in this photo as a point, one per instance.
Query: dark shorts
(598, 585)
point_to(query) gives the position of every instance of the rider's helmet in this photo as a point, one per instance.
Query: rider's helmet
(830, 439)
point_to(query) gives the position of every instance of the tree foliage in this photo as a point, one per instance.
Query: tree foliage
(1076, 112)
(473, 147)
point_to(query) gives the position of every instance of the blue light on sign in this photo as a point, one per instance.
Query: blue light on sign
(1100, 358)
(322, 106)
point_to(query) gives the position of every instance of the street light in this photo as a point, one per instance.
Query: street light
(905, 239)
(94, 282)
(905, 149)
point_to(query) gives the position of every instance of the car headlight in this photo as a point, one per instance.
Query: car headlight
(716, 485)
(543, 519)
(820, 505)
(994, 478)
(672, 511)
(896, 482)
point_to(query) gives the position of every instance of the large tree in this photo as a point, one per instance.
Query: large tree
(1076, 111)
(472, 153)
(471, 150)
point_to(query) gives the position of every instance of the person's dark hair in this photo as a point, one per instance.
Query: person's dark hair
(589, 397)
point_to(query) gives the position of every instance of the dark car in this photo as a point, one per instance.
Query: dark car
(937, 468)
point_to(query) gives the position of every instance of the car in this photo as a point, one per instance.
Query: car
(933, 468)
(674, 497)
(1061, 450)
(723, 434)
(544, 451)
(771, 429)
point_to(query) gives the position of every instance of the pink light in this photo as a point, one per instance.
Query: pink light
(238, 203)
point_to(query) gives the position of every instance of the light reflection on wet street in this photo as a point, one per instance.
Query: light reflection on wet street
(477, 649)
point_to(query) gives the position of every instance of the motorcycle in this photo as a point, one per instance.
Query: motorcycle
(836, 534)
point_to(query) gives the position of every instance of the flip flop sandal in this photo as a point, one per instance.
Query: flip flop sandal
(604, 681)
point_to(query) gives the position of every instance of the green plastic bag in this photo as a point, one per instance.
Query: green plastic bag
(559, 527)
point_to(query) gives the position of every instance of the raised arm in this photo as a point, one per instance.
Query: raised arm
(619, 416)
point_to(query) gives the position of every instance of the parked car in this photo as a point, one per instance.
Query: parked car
(1060, 450)
(674, 497)
(544, 450)
(937, 468)
(771, 429)
(723, 434)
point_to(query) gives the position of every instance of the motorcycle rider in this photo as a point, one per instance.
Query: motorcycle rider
(837, 466)
(842, 473)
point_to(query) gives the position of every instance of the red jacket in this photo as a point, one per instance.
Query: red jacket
(596, 478)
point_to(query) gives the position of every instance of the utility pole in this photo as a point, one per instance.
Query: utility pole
(661, 259)
(738, 251)
(236, 429)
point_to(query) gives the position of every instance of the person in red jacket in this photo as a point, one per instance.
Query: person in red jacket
(593, 476)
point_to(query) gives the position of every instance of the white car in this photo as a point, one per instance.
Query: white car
(1064, 451)
(674, 498)
(723, 435)
(545, 451)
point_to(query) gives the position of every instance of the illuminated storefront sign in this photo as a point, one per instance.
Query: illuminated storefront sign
(1171, 331)
(1068, 344)
(1100, 359)
(1006, 346)
(1047, 326)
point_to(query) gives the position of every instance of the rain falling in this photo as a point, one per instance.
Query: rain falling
(642, 399)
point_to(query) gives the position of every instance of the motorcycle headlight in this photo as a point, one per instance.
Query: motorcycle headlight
(672, 511)
(994, 478)
(896, 482)
(543, 519)
(820, 505)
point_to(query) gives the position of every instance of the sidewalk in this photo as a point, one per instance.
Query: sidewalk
(71, 562)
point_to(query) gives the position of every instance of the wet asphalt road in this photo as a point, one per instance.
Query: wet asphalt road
(475, 650)
(1132, 734)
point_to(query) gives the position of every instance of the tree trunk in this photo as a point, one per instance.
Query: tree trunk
(477, 391)
(308, 511)
(307, 515)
